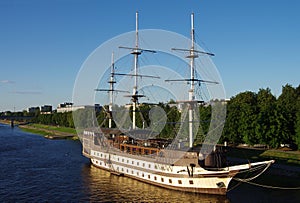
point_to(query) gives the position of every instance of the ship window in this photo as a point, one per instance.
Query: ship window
(191, 182)
(127, 170)
(170, 180)
(131, 172)
(154, 177)
(100, 163)
(179, 182)
(132, 162)
(155, 166)
(149, 165)
(122, 169)
(127, 161)
(162, 179)
(97, 154)
(137, 173)
(122, 160)
(117, 168)
(96, 162)
(118, 158)
(143, 164)
(137, 163)
(149, 177)
(142, 175)
(101, 155)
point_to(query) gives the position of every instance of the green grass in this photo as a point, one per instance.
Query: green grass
(55, 128)
(284, 157)
(59, 132)
(291, 157)
(35, 131)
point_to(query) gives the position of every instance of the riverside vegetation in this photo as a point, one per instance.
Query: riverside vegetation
(252, 118)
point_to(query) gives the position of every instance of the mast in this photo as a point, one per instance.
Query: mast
(111, 90)
(136, 54)
(111, 87)
(136, 51)
(191, 100)
(192, 57)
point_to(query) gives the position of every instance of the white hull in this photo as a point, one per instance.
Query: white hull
(168, 176)
(184, 174)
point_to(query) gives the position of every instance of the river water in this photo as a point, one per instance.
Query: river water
(34, 169)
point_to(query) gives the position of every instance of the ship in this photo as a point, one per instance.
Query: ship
(158, 161)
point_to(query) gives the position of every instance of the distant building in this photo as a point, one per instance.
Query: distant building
(46, 109)
(68, 107)
(33, 110)
(64, 107)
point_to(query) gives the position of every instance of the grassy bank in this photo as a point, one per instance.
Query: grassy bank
(52, 132)
(282, 157)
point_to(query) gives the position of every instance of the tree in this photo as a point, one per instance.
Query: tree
(286, 114)
(265, 130)
(297, 127)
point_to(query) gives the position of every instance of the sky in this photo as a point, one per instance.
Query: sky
(43, 43)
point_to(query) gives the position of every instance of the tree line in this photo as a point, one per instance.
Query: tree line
(261, 118)
(252, 118)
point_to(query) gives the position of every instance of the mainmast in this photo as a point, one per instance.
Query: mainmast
(192, 101)
(136, 51)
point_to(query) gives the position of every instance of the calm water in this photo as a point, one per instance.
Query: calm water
(34, 169)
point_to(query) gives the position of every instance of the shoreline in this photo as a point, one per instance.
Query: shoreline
(277, 169)
(49, 134)
(44, 131)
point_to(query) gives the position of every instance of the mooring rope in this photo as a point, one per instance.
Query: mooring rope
(251, 178)
(267, 186)
(247, 180)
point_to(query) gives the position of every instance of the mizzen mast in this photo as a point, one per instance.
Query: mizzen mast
(111, 90)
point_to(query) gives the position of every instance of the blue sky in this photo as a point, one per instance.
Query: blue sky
(43, 43)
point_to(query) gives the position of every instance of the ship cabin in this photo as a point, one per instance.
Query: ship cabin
(138, 145)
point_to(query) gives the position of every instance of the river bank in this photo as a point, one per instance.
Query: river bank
(51, 132)
(286, 164)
